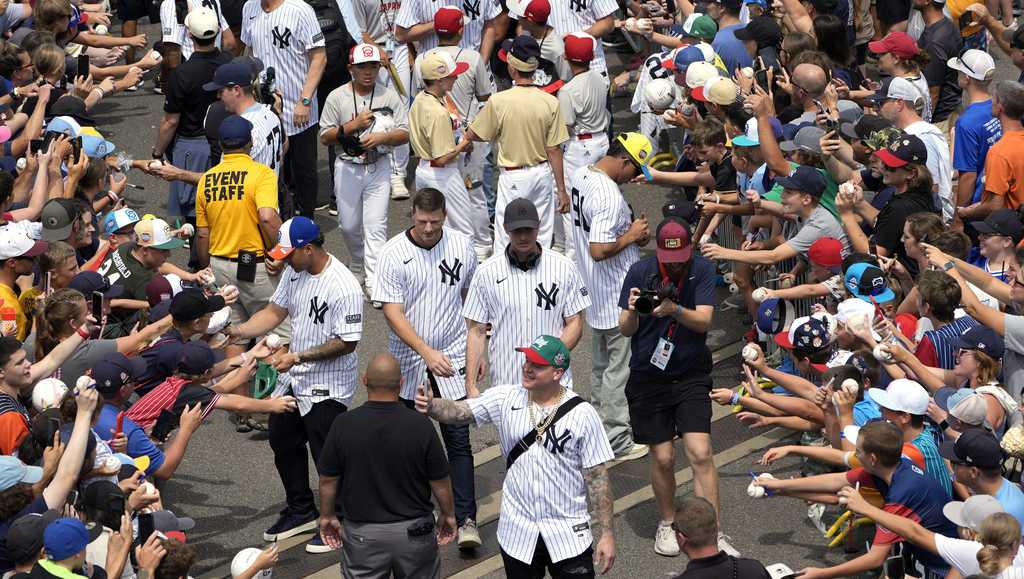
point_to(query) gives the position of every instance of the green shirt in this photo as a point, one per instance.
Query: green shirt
(828, 198)
(58, 571)
(121, 268)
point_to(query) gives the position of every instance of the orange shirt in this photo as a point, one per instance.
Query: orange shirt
(1004, 169)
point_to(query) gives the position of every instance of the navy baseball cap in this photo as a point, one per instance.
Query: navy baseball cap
(981, 339)
(197, 357)
(295, 233)
(974, 447)
(684, 57)
(235, 132)
(867, 282)
(773, 315)
(806, 180)
(525, 53)
(809, 335)
(1001, 222)
(231, 74)
(90, 281)
(115, 371)
(192, 303)
(905, 149)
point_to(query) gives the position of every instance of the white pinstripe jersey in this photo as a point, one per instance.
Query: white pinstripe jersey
(576, 15)
(429, 284)
(176, 33)
(476, 12)
(282, 39)
(521, 305)
(267, 136)
(651, 70)
(321, 307)
(544, 492)
(600, 214)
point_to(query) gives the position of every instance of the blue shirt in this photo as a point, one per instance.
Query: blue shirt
(865, 411)
(934, 464)
(976, 131)
(732, 51)
(1012, 499)
(139, 442)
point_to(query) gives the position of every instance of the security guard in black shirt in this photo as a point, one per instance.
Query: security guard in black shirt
(696, 529)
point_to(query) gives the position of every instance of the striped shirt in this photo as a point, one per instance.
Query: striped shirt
(429, 284)
(521, 305)
(937, 348)
(476, 12)
(544, 492)
(175, 33)
(600, 214)
(147, 410)
(376, 18)
(322, 307)
(934, 464)
(282, 39)
(267, 136)
(576, 15)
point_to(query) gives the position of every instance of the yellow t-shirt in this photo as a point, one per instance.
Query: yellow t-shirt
(430, 127)
(228, 199)
(8, 299)
(524, 120)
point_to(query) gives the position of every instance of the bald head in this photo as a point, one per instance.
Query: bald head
(383, 373)
(811, 78)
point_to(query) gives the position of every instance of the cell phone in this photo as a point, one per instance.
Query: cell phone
(119, 428)
(145, 527)
(966, 19)
(48, 138)
(83, 65)
(72, 499)
(36, 146)
(97, 306)
(761, 78)
(76, 147)
(47, 283)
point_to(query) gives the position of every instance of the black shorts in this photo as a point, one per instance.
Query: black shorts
(658, 411)
(133, 9)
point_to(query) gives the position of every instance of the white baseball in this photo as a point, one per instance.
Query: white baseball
(229, 289)
(155, 164)
(759, 295)
(847, 187)
(747, 72)
(757, 492)
(644, 25)
(188, 230)
(148, 488)
(850, 386)
(21, 164)
(84, 382)
(882, 355)
(100, 29)
(273, 341)
(750, 352)
(630, 24)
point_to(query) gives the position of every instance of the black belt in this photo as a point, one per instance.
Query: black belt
(231, 259)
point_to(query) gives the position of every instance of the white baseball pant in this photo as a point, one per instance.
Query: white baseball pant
(472, 166)
(536, 183)
(580, 150)
(463, 214)
(362, 193)
(400, 60)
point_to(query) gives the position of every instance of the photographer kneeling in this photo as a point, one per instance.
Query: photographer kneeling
(667, 302)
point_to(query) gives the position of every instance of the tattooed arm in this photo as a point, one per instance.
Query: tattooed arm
(602, 513)
(450, 411)
(330, 349)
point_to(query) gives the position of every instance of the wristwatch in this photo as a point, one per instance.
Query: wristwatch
(307, 101)
(948, 265)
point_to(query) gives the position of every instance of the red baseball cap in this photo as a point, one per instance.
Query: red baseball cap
(538, 11)
(898, 43)
(448, 20)
(674, 244)
(826, 252)
(579, 47)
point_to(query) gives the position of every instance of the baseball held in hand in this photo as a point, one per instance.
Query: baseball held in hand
(759, 295)
(273, 341)
(882, 355)
(750, 352)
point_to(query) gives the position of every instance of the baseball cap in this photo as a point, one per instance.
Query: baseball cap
(867, 282)
(826, 252)
(25, 536)
(521, 53)
(976, 64)
(974, 447)
(197, 357)
(579, 47)
(537, 11)
(521, 213)
(763, 30)
(774, 315)
(235, 132)
(230, 74)
(701, 26)
(547, 350)
(97, 147)
(104, 495)
(156, 233)
(362, 53)
(115, 370)
(244, 559)
(295, 233)
(166, 521)
(448, 20)
(1001, 222)
(897, 88)
(58, 217)
(13, 471)
(192, 303)
(202, 23)
(970, 513)
(903, 150)
(971, 410)
(863, 128)
(805, 180)
(67, 537)
(902, 395)
(981, 339)
(16, 243)
(698, 73)
(751, 138)
(438, 64)
(806, 139)
(638, 146)
(681, 58)
(900, 44)
(719, 90)
(64, 125)
(162, 288)
(1015, 36)
(674, 244)
(74, 107)
(118, 220)
(88, 282)
(806, 333)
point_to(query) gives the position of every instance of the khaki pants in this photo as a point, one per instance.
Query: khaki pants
(611, 354)
(252, 296)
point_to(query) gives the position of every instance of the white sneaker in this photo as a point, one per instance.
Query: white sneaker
(635, 452)
(398, 190)
(469, 536)
(665, 541)
(725, 545)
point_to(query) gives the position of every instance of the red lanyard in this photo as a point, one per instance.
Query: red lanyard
(679, 289)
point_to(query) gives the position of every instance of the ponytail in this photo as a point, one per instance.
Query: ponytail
(1000, 535)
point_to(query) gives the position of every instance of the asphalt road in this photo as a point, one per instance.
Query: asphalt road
(228, 484)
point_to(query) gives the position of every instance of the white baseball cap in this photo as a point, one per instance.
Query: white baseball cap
(902, 395)
(976, 64)
(903, 90)
(244, 559)
(698, 73)
(970, 513)
(364, 53)
(16, 243)
(202, 23)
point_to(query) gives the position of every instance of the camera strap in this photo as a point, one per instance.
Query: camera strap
(665, 280)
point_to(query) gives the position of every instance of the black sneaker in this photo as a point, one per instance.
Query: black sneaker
(316, 545)
(289, 525)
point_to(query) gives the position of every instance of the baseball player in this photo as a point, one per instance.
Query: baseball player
(583, 101)
(596, 18)
(414, 23)
(324, 303)
(234, 84)
(471, 88)
(534, 21)
(527, 125)
(177, 43)
(424, 274)
(544, 525)
(521, 291)
(609, 238)
(365, 119)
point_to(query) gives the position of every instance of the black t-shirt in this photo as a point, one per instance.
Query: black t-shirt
(725, 175)
(385, 456)
(941, 40)
(155, 371)
(184, 92)
(889, 224)
(722, 566)
(892, 11)
(215, 115)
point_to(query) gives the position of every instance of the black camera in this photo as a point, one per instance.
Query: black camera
(265, 87)
(650, 298)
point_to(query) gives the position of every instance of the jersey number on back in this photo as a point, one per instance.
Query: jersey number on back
(274, 142)
(577, 203)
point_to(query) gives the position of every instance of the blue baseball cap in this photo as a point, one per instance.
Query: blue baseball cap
(809, 335)
(13, 471)
(91, 281)
(115, 371)
(65, 125)
(805, 180)
(295, 233)
(235, 132)
(230, 74)
(118, 220)
(683, 58)
(773, 315)
(197, 357)
(981, 339)
(97, 146)
(867, 282)
(65, 538)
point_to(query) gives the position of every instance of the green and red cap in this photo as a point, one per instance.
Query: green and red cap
(547, 351)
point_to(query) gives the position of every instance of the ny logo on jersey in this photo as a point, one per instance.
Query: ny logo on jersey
(471, 8)
(450, 274)
(578, 5)
(546, 298)
(281, 39)
(556, 442)
(317, 310)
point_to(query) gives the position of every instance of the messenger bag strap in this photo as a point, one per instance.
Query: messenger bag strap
(527, 441)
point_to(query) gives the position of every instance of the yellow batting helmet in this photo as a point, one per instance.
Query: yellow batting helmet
(637, 146)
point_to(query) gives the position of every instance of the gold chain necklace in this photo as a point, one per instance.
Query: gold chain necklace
(543, 425)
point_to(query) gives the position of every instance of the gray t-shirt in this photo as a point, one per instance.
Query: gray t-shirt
(819, 224)
(583, 102)
(553, 49)
(1013, 358)
(469, 87)
(343, 105)
(85, 357)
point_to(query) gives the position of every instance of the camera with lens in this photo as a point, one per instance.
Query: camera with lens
(650, 298)
(265, 87)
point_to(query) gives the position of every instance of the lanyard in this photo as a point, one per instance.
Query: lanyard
(679, 288)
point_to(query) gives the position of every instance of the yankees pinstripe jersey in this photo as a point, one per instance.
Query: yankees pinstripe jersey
(429, 283)
(282, 39)
(521, 305)
(477, 81)
(177, 33)
(477, 12)
(576, 15)
(267, 136)
(321, 307)
(650, 70)
(544, 492)
(600, 214)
